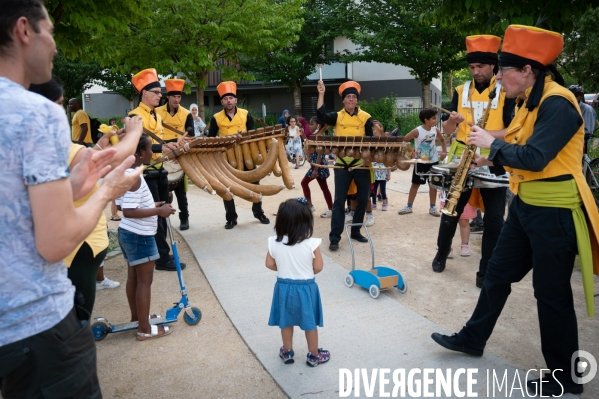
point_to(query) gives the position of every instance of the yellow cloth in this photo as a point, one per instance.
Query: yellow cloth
(177, 121)
(154, 125)
(98, 238)
(564, 194)
(79, 119)
(228, 127)
(348, 125)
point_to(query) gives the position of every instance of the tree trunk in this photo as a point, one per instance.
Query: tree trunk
(426, 95)
(200, 101)
(449, 85)
(297, 98)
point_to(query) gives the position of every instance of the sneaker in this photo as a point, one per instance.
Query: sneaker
(327, 214)
(349, 217)
(369, 220)
(450, 256)
(456, 343)
(379, 197)
(323, 357)
(312, 208)
(477, 229)
(433, 211)
(405, 210)
(465, 250)
(374, 206)
(106, 283)
(384, 207)
(287, 356)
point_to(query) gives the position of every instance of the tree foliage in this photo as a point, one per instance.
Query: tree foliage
(191, 38)
(580, 58)
(472, 16)
(76, 75)
(291, 65)
(391, 32)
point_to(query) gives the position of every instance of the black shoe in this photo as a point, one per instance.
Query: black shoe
(455, 343)
(379, 197)
(479, 280)
(439, 262)
(169, 266)
(551, 387)
(229, 225)
(184, 224)
(334, 245)
(359, 237)
(477, 229)
(263, 219)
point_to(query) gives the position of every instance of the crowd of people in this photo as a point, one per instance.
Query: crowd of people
(54, 231)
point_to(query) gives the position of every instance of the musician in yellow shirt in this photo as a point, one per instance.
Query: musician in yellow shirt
(80, 125)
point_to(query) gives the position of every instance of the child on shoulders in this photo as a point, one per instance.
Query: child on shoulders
(295, 256)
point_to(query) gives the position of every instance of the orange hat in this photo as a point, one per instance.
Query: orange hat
(145, 80)
(227, 89)
(534, 46)
(482, 49)
(174, 86)
(349, 87)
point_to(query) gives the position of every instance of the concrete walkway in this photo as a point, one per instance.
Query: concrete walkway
(360, 332)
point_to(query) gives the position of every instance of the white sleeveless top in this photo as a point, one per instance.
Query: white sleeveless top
(426, 144)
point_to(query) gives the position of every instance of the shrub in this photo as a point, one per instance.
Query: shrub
(384, 110)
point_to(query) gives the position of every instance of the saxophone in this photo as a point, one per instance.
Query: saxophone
(459, 180)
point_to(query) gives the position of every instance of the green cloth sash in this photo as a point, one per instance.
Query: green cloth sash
(564, 194)
(458, 148)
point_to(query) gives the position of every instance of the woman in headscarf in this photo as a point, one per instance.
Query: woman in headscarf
(283, 118)
(198, 123)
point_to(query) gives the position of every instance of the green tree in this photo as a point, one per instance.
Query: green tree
(291, 65)
(76, 75)
(473, 15)
(391, 32)
(580, 58)
(191, 38)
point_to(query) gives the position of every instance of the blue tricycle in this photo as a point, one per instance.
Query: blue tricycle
(375, 279)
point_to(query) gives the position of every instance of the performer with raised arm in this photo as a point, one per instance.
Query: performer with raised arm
(468, 105)
(552, 217)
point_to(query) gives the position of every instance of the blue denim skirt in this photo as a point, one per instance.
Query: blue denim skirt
(296, 303)
(137, 249)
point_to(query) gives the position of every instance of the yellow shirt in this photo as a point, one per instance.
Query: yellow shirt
(98, 238)
(348, 125)
(79, 119)
(154, 125)
(177, 121)
(228, 127)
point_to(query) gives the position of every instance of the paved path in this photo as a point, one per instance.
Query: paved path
(360, 332)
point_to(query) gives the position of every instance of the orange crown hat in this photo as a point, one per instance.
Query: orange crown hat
(482, 49)
(349, 87)
(537, 46)
(227, 89)
(174, 86)
(529, 45)
(145, 80)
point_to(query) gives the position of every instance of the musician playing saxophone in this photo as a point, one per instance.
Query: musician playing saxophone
(468, 104)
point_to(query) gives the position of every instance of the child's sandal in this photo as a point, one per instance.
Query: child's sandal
(154, 333)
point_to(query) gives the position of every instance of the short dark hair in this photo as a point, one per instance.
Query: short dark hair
(313, 119)
(12, 10)
(143, 142)
(52, 89)
(294, 220)
(427, 113)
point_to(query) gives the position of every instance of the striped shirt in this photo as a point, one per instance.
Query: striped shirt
(141, 198)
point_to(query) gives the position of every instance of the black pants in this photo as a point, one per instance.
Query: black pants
(231, 214)
(82, 274)
(494, 200)
(343, 178)
(383, 185)
(159, 188)
(57, 363)
(182, 200)
(542, 239)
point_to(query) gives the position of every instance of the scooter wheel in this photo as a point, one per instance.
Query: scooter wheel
(349, 280)
(374, 291)
(197, 316)
(100, 330)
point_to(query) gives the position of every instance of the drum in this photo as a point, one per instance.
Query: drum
(175, 174)
(489, 180)
(441, 176)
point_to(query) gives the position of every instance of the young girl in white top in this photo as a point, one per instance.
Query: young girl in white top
(136, 239)
(296, 299)
(295, 140)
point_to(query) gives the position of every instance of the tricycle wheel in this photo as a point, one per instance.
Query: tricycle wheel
(404, 288)
(197, 316)
(349, 280)
(100, 330)
(374, 291)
